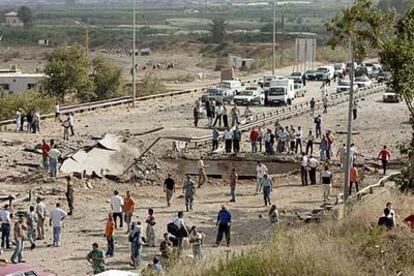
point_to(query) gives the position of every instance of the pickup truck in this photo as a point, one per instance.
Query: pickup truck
(300, 90)
(219, 95)
(248, 97)
(325, 73)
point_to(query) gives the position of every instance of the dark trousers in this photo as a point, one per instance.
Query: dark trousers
(304, 175)
(223, 229)
(350, 187)
(298, 144)
(384, 166)
(111, 246)
(72, 131)
(260, 144)
(328, 154)
(116, 215)
(218, 118)
(318, 131)
(196, 116)
(325, 109)
(215, 145)
(354, 114)
(312, 175)
(5, 235)
(225, 121)
(309, 147)
(236, 146)
(292, 145)
(228, 145)
(266, 195)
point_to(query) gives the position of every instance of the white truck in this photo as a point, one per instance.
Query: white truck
(281, 91)
(234, 86)
(267, 80)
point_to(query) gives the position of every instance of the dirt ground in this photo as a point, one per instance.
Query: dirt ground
(378, 123)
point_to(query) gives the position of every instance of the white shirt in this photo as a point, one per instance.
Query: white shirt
(71, 120)
(41, 210)
(116, 203)
(313, 162)
(5, 216)
(54, 153)
(201, 164)
(56, 216)
(261, 170)
(304, 161)
(220, 110)
(228, 135)
(298, 134)
(179, 222)
(57, 108)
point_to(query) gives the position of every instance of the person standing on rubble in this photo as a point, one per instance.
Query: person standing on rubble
(202, 176)
(128, 209)
(109, 235)
(69, 195)
(41, 217)
(31, 221)
(54, 155)
(56, 221)
(116, 204)
(150, 233)
(169, 189)
(189, 191)
(45, 155)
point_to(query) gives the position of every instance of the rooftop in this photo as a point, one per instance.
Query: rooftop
(12, 13)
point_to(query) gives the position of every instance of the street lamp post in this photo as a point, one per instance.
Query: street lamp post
(134, 71)
(349, 133)
(274, 39)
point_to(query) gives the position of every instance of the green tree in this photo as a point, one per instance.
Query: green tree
(107, 79)
(218, 28)
(68, 74)
(397, 56)
(25, 15)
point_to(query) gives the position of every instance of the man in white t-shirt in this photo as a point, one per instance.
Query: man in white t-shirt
(54, 155)
(56, 221)
(116, 205)
(261, 170)
(179, 222)
(5, 226)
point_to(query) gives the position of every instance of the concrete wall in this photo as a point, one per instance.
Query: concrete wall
(19, 84)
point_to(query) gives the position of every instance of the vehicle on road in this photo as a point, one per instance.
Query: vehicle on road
(249, 97)
(325, 73)
(281, 92)
(300, 90)
(344, 85)
(297, 77)
(234, 86)
(349, 64)
(340, 69)
(390, 96)
(219, 95)
(267, 80)
(384, 76)
(363, 81)
(22, 270)
(310, 74)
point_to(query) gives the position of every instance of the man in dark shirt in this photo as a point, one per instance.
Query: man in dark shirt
(385, 220)
(169, 189)
(224, 223)
(318, 122)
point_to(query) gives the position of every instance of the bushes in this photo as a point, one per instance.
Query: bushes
(10, 103)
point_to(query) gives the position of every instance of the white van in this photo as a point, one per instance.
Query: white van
(234, 86)
(281, 92)
(267, 80)
(325, 73)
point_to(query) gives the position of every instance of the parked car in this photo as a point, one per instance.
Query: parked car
(340, 68)
(297, 77)
(363, 81)
(219, 95)
(22, 270)
(325, 73)
(300, 90)
(390, 96)
(344, 85)
(384, 76)
(248, 97)
(310, 75)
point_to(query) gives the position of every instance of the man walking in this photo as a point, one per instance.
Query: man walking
(69, 195)
(312, 104)
(19, 235)
(261, 170)
(325, 103)
(116, 205)
(313, 166)
(327, 181)
(97, 259)
(384, 155)
(196, 240)
(189, 191)
(31, 219)
(304, 169)
(224, 221)
(169, 189)
(56, 221)
(5, 227)
(267, 185)
(41, 217)
(234, 179)
(128, 209)
(109, 235)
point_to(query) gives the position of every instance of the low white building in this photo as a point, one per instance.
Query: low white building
(238, 63)
(14, 80)
(12, 19)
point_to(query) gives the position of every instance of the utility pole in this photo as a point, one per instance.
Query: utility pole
(134, 71)
(349, 133)
(274, 39)
(87, 40)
